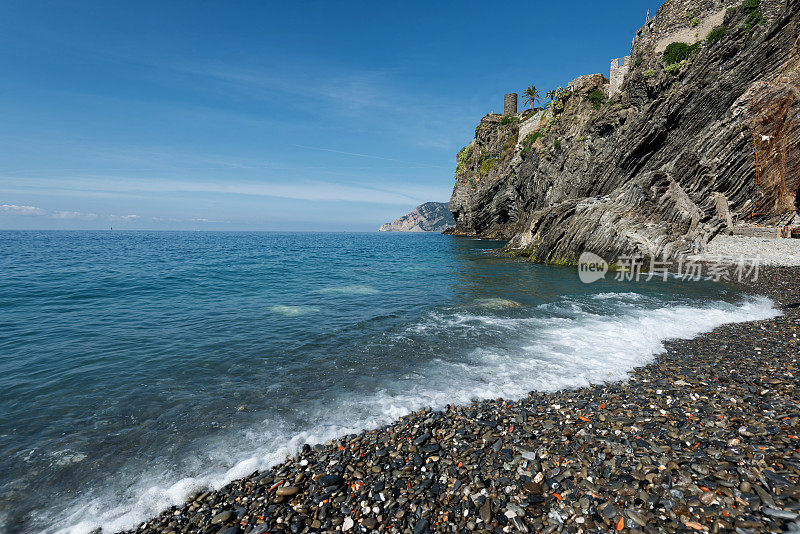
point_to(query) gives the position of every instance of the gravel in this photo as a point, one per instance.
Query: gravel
(705, 439)
(771, 251)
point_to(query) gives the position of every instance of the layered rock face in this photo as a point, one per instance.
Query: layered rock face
(428, 217)
(658, 169)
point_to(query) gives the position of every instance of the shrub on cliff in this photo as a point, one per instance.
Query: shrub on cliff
(716, 34)
(508, 119)
(488, 164)
(675, 68)
(677, 52)
(751, 8)
(510, 143)
(597, 97)
(529, 140)
(753, 19)
(462, 160)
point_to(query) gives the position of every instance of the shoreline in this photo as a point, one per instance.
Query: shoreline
(704, 438)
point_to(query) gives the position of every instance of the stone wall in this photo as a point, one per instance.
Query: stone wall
(617, 74)
(529, 125)
(689, 21)
(673, 16)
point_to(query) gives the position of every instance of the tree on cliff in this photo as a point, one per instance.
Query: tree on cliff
(531, 95)
(551, 94)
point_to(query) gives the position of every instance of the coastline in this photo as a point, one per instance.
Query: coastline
(705, 438)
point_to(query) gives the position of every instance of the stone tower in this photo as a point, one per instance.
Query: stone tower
(510, 104)
(619, 68)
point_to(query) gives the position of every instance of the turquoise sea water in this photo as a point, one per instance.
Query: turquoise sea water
(136, 367)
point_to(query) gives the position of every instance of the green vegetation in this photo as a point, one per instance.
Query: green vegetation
(677, 52)
(716, 34)
(561, 95)
(509, 119)
(462, 160)
(532, 95)
(753, 19)
(649, 73)
(638, 62)
(696, 21)
(510, 143)
(529, 140)
(751, 8)
(487, 165)
(557, 144)
(597, 97)
(675, 68)
(754, 15)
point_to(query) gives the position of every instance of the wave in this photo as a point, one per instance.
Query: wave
(565, 347)
(618, 296)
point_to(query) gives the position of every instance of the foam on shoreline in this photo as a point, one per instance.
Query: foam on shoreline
(554, 357)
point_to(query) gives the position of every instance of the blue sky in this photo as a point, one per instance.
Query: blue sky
(255, 115)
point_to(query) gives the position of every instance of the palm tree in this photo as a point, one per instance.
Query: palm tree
(551, 94)
(531, 95)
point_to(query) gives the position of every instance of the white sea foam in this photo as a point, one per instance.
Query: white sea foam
(618, 296)
(66, 457)
(293, 311)
(569, 349)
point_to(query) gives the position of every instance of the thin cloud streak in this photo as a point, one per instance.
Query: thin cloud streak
(311, 191)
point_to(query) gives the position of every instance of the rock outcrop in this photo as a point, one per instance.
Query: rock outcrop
(646, 171)
(428, 217)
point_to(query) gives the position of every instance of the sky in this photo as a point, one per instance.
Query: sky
(257, 115)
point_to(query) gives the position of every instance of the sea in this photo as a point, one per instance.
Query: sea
(138, 367)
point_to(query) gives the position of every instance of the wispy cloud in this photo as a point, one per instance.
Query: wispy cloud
(124, 218)
(21, 210)
(344, 92)
(14, 209)
(74, 215)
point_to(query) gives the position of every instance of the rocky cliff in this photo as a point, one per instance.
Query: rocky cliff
(661, 166)
(428, 217)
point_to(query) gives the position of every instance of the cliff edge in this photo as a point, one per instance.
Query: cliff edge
(657, 163)
(428, 217)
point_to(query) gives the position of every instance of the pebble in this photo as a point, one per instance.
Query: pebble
(287, 491)
(221, 517)
(703, 439)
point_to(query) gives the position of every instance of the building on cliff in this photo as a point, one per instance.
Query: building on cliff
(669, 157)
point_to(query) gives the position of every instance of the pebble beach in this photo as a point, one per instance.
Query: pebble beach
(704, 439)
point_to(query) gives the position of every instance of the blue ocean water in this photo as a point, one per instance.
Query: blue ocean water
(136, 367)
